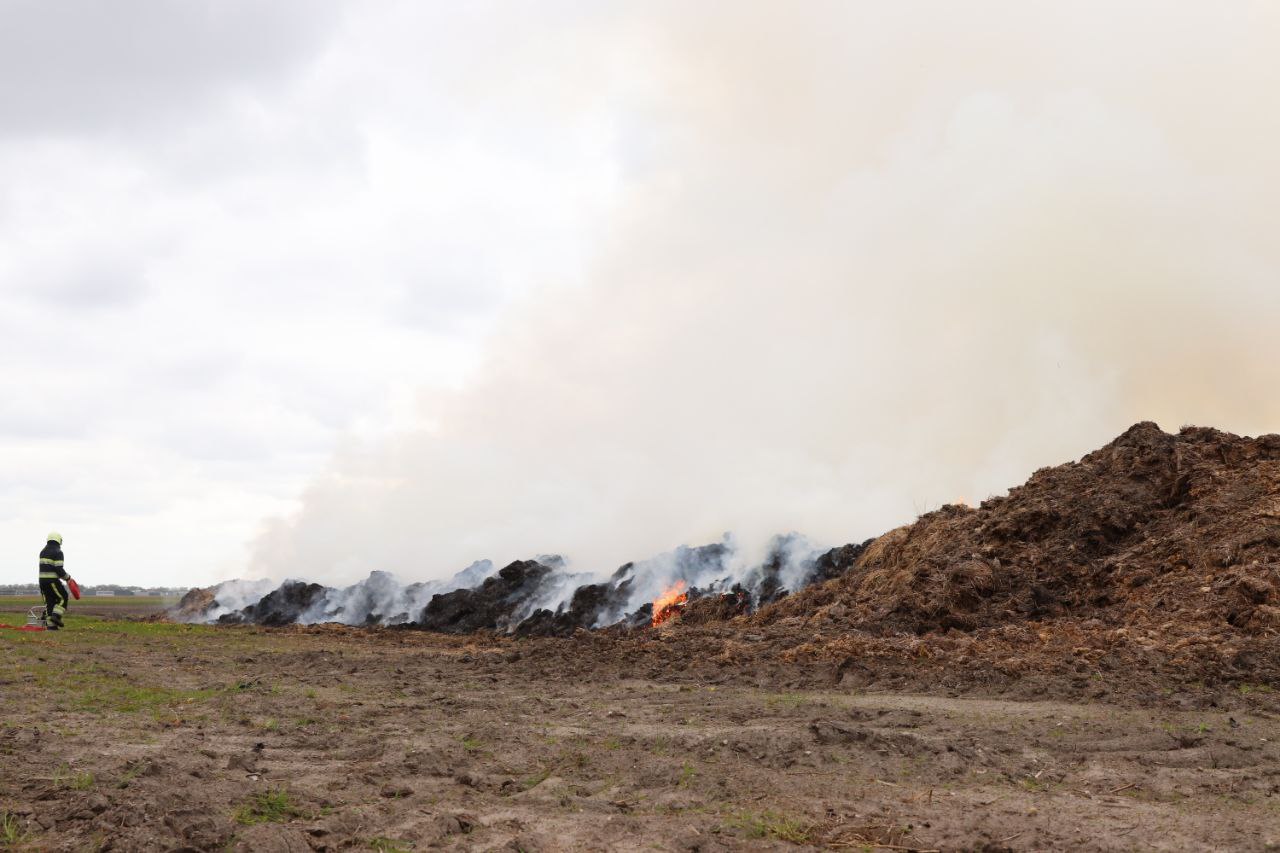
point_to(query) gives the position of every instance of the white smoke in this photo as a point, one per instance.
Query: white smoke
(871, 258)
(554, 593)
(715, 568)
(230, 597)
(718, 565)
(382, 599)
(793, 557)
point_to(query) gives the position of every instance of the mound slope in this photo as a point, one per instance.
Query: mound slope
(1150, 568)
(1150, 529)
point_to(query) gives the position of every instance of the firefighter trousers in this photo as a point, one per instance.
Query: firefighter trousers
(55, 597)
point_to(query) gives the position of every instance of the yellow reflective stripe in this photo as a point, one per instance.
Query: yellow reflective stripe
(49, 561)
(48, 576)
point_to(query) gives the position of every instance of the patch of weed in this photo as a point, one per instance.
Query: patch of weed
(536, 779)
(11, 832)
(767, 824)
(131, 773)
(389, 845)
(686, 775)
(786, 700)
(117, 694)
(272, 806)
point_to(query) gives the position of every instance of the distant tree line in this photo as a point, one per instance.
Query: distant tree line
(111, 589)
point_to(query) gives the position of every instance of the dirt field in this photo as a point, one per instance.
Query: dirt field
(135, 735)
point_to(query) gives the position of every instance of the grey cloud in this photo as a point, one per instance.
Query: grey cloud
(196, 371)
(209, 441)
(32, 421)
(99, 284)
(82, 65)
(444, 304)
(208, 231)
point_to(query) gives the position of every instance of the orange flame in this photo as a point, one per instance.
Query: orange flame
(670, 603)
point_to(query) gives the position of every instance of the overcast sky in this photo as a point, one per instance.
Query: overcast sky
(312, 288)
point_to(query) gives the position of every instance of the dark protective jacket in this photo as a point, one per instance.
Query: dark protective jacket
(51, 562)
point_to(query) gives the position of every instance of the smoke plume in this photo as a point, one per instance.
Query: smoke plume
(868, 259)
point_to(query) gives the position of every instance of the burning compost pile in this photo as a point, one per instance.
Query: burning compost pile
(1158, 554)
(537, 597)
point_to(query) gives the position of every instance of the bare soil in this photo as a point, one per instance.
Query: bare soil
(150, 736)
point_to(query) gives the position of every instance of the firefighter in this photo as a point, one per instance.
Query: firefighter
(51, 576)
